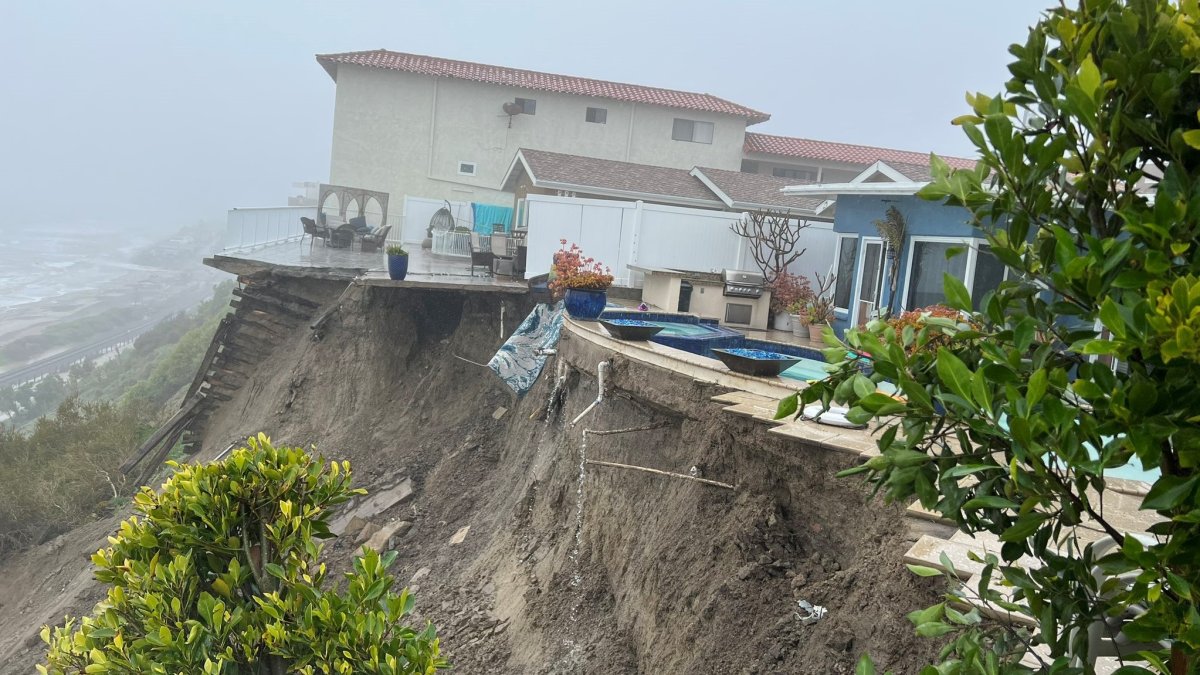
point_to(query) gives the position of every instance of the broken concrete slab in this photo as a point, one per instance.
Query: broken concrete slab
(460, 536)
(366, 532)
(383, 539)
(371, 506)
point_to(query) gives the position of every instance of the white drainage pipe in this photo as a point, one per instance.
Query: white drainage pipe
(601, 376)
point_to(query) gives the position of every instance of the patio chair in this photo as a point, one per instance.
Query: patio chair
(502, 262)
(313, 230)
(481, 253)
(374, 240)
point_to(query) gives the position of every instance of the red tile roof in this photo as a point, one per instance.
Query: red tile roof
(790, 146)
(531, 79)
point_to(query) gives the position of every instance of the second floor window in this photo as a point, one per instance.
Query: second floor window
(597, 115)
(797, 174)
(528, 105)
(692, 131)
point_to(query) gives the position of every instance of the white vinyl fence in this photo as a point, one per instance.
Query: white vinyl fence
(620, 234)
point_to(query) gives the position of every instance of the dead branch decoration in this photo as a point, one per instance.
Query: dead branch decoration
(773, 237)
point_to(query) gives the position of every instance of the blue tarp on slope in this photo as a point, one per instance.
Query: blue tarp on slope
(519, 362)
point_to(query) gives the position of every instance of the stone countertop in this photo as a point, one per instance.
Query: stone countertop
(687, 275)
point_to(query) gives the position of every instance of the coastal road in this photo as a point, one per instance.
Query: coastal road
(63, 361)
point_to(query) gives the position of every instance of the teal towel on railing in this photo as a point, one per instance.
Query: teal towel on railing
(488, 215)
(522, 357)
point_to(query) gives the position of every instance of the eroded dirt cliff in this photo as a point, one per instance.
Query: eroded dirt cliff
(617, 572)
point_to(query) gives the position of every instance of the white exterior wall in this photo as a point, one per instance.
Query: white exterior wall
(405, 134)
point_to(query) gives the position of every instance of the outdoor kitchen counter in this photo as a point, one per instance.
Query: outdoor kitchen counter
(704, 294)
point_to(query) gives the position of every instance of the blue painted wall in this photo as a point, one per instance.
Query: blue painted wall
(856, 214)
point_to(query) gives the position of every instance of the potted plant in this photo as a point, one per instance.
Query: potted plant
(397, 259)
(787, 290)
(820, 307)
(581, 282)
(798, 313)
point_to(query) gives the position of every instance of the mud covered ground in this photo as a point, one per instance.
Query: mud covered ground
(613, 572)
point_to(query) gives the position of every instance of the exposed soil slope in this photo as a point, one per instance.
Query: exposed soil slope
(620, 572)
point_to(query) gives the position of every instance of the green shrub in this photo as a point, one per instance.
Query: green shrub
(396, 250)
(221, 574)
(1085, 359)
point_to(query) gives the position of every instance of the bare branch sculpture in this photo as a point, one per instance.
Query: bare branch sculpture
(773, 237)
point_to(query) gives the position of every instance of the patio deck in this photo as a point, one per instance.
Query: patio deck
(295, 258)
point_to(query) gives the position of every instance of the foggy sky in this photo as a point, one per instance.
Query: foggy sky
(164, 113)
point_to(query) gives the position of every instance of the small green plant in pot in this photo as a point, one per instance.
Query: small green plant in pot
(798, 310)
(397, 259)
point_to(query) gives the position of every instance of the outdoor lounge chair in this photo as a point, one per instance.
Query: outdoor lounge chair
(481, 252)
(374, 240)
(313, 230)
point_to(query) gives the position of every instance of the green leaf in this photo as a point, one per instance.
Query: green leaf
(953, 373)
(934, 629)
(857, 415)
(1168, 492)
(923, 571)
(1192, 138)
(787, 406)
(1089, 76)
(865, 666)
(1025, 526)
(956, 293)
(1037, 387)
(989, 502)
(863, 386)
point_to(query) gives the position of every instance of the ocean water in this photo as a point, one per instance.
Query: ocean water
(39, 264)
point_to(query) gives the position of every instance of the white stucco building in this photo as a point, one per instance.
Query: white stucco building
(442, 129)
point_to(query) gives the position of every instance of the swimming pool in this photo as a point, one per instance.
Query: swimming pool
(806, 371)
(682, 329)
(700, 336)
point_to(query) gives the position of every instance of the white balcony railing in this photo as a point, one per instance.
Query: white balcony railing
(452, 244)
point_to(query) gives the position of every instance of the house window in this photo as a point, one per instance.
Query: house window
(528, 105)
(466, 168)
(975, 266)
(844, 281)
(809, 175)
(597, 115)
(749, 166)
(927, 265)
(692, 131)
(989, 272)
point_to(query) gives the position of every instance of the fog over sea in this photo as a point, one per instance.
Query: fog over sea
(40, 264)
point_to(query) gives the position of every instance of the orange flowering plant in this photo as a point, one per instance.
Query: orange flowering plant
(918, 319)
(572, 270)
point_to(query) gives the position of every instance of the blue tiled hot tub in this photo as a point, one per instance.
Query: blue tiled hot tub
(701, 336)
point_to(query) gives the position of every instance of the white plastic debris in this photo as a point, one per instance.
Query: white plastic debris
(810, 613)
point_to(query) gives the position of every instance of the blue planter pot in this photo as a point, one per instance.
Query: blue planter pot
(397, 266)
(585, 304)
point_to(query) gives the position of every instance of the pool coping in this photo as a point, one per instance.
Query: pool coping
(749, 396)
(756, 397)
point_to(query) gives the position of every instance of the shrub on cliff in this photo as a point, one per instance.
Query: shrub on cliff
(221, 574)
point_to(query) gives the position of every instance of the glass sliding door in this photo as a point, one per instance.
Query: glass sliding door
(869, 279)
